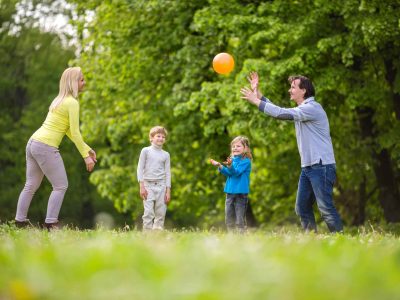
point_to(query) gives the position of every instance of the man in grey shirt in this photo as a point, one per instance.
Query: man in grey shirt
(318, 168)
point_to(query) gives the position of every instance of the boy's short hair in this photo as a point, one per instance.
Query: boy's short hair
(157, 129)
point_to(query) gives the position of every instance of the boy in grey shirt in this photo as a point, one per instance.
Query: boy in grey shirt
(154, 176)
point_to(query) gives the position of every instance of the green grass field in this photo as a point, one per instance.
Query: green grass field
(285, 264)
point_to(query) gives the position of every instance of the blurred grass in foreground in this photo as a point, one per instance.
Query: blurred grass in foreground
(100, 264)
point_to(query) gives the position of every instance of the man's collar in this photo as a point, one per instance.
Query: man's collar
(309, 99)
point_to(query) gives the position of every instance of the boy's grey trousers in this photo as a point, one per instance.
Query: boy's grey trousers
(154, 206)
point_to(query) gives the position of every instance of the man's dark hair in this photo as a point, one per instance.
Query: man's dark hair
(305, 83)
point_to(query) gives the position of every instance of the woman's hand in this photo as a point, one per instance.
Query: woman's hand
(92, 154)
(89, 163)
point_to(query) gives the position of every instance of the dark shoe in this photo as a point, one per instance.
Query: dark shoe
(51, 226)
(23, 224)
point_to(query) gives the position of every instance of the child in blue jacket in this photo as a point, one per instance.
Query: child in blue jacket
(237, 171)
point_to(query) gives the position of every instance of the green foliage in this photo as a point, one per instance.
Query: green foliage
(149, 63)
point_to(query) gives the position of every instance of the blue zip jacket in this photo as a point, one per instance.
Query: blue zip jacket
(238, 175)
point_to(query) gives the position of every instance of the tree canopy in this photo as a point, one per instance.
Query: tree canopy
(149, 62)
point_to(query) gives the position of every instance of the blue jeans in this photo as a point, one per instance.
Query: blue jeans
(316, 185)
(235, 211)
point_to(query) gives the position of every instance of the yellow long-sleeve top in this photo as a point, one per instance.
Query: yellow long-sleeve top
(64, 120)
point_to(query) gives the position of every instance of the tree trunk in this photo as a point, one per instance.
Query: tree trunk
(87, 214)
(391, 73)
(389, 196)
(359, 216)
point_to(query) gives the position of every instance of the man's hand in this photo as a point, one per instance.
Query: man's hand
(254, 81)
(250, 96)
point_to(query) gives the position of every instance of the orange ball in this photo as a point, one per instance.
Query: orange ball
(223, 63)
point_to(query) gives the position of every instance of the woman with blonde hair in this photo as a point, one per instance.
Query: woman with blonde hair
(42, 155)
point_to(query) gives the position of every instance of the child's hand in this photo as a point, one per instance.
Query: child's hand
(228, 161)
(167, 197)
(143, 191)
(214, 162)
